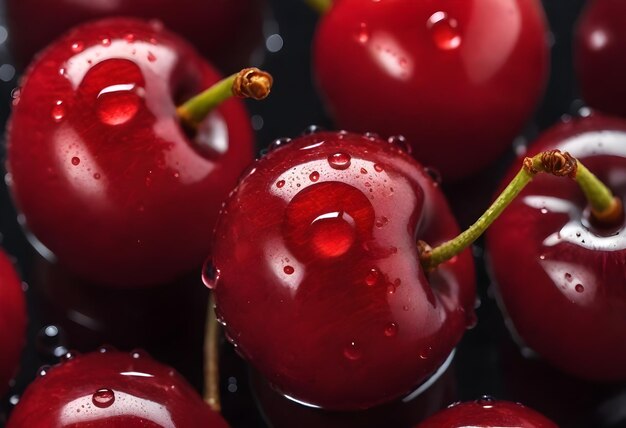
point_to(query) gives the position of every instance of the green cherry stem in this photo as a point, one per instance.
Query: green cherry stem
(248, 83)
(604, 206)
(320, 6)
(211, 359)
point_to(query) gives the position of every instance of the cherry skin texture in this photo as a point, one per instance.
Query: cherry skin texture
(225, 32)
(457, 78)
(487, 413)
(600, 53)
(106, 178)
(336, 310)
(561, 279)
(112, 389)
(12, 321)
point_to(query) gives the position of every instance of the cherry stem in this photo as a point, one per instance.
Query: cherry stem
(604, 206)
(320, 6)
(211, 359)
(248, 83)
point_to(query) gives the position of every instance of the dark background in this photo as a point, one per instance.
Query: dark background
(168, 320)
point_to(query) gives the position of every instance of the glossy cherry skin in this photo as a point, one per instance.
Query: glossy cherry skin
(106, 178)
(600, 54)
(457, 78)
(225, 32)
(12, 321)
(561, 279)
(111, 389)
(487, 413)
(337, 311)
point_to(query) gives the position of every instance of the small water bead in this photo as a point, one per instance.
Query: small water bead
(103, 398)
(280, 184)
(312, 129)
(314, 176)
(69, 355)
(444, 31)
(568, 277)
(151, 57)
(97, 176)
(363, 171)
(289, 270)
(279, 142)
(378, 167)
(105, 41)
(130, 37)
(210, 274)
(75, 161)
(78, 46)
(58, 111)
(340, 160)
(579, 288)
(352, 351)
(382, 222)
(486, 401)
(362, 34)
(371, 136)
(43, 371)
(434, 174)
(372, 277)
(400, 142)
(391, 329)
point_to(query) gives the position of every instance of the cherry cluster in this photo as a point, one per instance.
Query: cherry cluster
(333, 263)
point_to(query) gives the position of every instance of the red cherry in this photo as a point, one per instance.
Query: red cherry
(207, 24)
(457, 78)
(338, 311)
(101, 168)
(487, 412)
(560, 274)
(12, 321)
(111, 389)
(600, 53)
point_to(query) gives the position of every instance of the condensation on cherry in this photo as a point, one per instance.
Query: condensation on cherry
(400, 142)
(58, 111)
(362, 34)
(314, 176)
(339, 160)
(210, 274)
(352, 351)
(103, 398)
(277, 143)
(372, 277)
(312, 129)
(391, 329)
(77, 46)
(486, 401)
(444, 31)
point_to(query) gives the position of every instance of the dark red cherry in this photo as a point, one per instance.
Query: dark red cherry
(111, 389)
(225, 32)
(104, 174)
(12, 321)
(560, 274)
(318, 278)
(600, 53)
(488, 413)
(457, 78)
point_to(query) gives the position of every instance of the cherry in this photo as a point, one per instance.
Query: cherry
(487, 412)
(12, 321)
(560, 269)
(111, 389)
(337, 311)
(457, 78)
(207, 24)
(600, 48)
(105, 175)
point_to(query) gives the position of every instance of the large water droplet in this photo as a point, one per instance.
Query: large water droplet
(210, 274)
(568, 277)
(352, 351)
(117, 104)
(339, 160)
(444, 31)
(103, 398)
(333, 234)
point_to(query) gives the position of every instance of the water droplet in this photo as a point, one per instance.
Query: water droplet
(15, 96)
(332, 234)
(103, 398)
(130, 37)
(339, 160)
(43, 371)
(75, 161)
(117, 104)
(97, 176)
(391, 289)
(151, 57)
(352, 351)
(50, 341)
(210, 274)
(58, 111)
(579, 288)
(372, 277)
(382, 222)
(568, 277)
(314, 176)
(391, 329)
(400, 142)
(289, 270)
(486, 401)
(371, 136)
(444, 31)
(105, 41)
(434, 174)
(78, 47)
(363, 34)
(106, 348)
(378, 167)
(312, 129)
(280, 184)
(14, 400)
(279, 142)
(69, 355)
(425, 353)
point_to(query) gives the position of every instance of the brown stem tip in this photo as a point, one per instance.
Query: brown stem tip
(252, 83)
